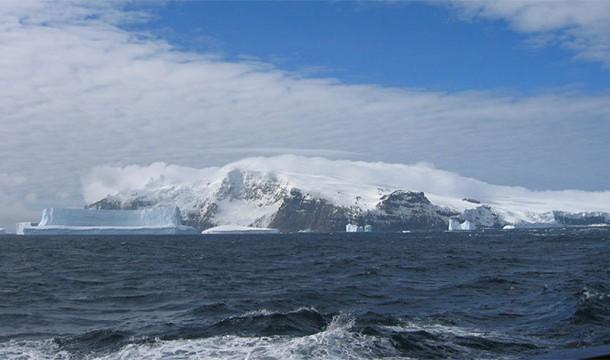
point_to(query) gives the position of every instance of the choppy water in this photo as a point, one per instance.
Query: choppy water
(491, 295)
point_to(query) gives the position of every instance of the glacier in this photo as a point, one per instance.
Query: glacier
(297, 193)
(158, 220)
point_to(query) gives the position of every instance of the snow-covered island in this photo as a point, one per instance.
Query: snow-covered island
(295, 193)
(151, 221)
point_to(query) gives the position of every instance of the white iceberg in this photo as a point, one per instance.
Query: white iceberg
(358, 228)
(2, 231)
(152, 221)
(455, 225)
(351, 228)
(237, 229)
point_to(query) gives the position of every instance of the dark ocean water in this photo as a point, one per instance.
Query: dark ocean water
(486, 295)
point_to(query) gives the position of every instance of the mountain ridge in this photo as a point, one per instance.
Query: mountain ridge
(295, 193)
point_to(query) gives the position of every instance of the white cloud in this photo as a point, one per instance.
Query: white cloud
(9, 181)
(13, 205)
(582, 26)
(77, 90)
(108, 180)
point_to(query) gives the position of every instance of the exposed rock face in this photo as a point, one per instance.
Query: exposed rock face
(113, 203)
(406, 210)
(399, 210)
(471, 200)
(484, 217)
(302, 212)
(201, 217)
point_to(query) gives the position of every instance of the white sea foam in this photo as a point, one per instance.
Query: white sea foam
(439, 329)
(335, 342)
(265, 312)
(445, 331)
(33, 350)
(588, 293)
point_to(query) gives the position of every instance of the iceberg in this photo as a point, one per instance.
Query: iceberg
(351, 228)
(358, 228)
(237, 229)
(150, 221)
(2, 231)
(455, 225)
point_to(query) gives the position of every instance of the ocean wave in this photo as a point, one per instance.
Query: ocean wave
(487, 283)
(593, 306)
(207, 309)
(303, 321)
(425, 340)
(371, 336)
(336, 341)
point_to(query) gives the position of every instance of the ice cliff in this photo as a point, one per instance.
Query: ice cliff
(149, 221)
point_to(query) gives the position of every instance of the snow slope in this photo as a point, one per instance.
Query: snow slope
(250, 191)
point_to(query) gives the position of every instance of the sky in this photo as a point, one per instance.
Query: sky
(508, 92)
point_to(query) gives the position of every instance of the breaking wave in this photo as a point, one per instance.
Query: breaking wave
(593, 307)
(300, 334)
(335, 341)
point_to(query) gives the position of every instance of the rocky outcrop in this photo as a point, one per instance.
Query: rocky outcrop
(407, 210)
(399, 210)
(113, 203)
(303, 212)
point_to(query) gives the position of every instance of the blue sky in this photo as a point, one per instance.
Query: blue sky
(409, 44)
(508, 92)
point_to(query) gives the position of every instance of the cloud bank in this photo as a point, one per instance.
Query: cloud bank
(580, 26)
(78, 90)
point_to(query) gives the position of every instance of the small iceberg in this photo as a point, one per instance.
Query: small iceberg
(455, 225)
(508, 227)
(358, 228)
(238, 229)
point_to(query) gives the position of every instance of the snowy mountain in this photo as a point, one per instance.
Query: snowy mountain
(294, 193)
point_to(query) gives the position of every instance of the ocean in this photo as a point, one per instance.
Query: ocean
(519, 294)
